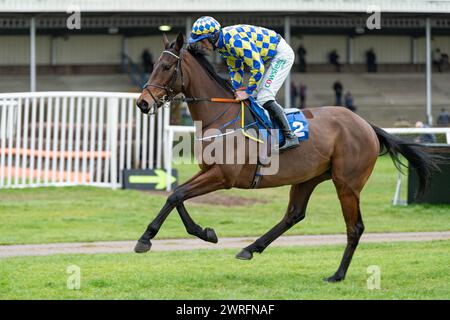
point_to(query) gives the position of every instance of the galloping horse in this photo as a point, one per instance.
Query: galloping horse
(341, 146)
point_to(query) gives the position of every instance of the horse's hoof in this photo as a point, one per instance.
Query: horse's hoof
(211, 235)
(142, 247)
(334, 278)
(244, 255)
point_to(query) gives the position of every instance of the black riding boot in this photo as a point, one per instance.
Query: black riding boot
(276, 111)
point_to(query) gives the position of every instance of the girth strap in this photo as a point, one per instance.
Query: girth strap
(257, 177)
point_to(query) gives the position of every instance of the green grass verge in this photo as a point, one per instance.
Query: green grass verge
(417, 270)
(44, 215)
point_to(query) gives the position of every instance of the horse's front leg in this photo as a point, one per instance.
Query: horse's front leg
(207, 234)
(202, 183)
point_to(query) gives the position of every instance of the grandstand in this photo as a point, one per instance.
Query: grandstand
(113, 34)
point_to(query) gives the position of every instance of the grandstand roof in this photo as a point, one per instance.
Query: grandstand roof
(285, 6)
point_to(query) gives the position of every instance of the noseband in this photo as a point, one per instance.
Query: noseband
(168, 88)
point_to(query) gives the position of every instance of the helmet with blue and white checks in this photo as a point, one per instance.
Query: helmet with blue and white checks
(204, 27)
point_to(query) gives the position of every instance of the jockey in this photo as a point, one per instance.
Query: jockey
(266, 54)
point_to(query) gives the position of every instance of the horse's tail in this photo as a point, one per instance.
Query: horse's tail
(423, 162)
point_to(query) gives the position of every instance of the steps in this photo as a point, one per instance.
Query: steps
(381, 98)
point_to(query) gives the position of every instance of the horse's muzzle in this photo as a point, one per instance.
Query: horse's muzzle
(145, 107)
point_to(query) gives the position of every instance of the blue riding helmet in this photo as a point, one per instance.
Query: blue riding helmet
(203, 28)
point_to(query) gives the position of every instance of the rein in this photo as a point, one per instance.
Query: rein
(195, 99)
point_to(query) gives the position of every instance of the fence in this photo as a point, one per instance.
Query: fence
(76, 138)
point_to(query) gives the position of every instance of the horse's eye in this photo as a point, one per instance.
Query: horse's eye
(166, 67)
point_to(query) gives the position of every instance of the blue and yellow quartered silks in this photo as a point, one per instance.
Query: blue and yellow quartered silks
(250, 45)
(203, 28)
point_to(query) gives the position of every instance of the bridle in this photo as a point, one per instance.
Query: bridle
(168, 88)
(170, 93)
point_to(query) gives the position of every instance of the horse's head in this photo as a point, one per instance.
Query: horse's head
(166, 80)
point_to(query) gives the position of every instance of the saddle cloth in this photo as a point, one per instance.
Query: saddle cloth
(297, 121)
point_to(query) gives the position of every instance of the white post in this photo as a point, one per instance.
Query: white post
(413, 50)
(53, 51)
(33, 54)
(287, 83)
(159, 141)
(166, 124)
(167, 146)
(349, 49)
(10, 126)
(101, 114)
(428, 71)
(397, 194)
(48, 128)
(169, 154)
(188, 26)
(18, 141)
(144, 163)
(124, 53)
(113, 108)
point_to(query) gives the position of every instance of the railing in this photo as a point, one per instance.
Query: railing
(76, 138)
(414, 131)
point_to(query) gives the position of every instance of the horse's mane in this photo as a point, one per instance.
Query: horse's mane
(200, 56)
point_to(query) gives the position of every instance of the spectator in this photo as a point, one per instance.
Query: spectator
(301, 52)
(333, 58)
(425, 137)
(349, 101)
(338, 88)
(437, 59)
(147, 61)
(293, 94)
(443, 118)
(371, 60)
(302, 94)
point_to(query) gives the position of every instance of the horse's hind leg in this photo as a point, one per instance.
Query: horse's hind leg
(299, 197)
(349, 199)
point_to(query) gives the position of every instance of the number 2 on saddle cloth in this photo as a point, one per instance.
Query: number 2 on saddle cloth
(256, 118)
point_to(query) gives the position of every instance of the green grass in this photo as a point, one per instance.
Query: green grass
(43, 215)
(408, 271)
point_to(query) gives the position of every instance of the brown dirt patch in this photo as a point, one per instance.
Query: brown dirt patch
(218, 199)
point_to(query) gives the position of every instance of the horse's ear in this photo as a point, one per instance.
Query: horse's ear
(165, 41)
(180, 42)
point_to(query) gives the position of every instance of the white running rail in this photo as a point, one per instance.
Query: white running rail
(172, 130)
(399, 131)
(76, 138)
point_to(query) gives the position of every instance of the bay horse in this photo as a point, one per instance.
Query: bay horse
(342, 147)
